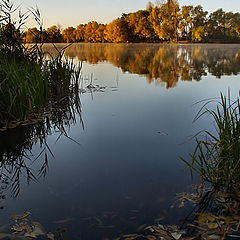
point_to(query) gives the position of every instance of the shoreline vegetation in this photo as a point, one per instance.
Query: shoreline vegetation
(158, 23)
(38, 95)
(31, 84)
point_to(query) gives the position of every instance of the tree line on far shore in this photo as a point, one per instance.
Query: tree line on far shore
(160, 22)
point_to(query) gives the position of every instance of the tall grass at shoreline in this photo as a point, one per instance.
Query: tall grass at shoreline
(28, 87)
(29, 82)
(216, 158)
(24, 88)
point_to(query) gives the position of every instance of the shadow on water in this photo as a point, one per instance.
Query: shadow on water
(16, 144)
(165, 64)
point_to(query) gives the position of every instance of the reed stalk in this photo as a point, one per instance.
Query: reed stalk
(216, 157)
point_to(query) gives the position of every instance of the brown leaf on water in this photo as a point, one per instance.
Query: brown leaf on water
(140, 228)
(30, 235)
(131, 236)
(149, 228)
(22, 216)
(212, 225)
(162, 233)
(211, 217)
(17, 228)
(176, 235)
(212, 237)
(50, 236)
(202, 219)
(181, 205)
(38, 229)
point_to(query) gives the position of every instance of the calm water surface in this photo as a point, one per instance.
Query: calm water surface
(122, 168)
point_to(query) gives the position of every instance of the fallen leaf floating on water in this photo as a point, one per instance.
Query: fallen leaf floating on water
(24, 229)
(141, 227)
(211, 217)
(30, 235)
(38, 229)
(181, 205)
(19, 217)
(176, 235)
(50, 236)
(131, 236)
(21, 228)
(211, 237)
(212, 225)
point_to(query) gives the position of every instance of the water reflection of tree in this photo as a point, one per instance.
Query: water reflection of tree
(16, 145)
(163, 63)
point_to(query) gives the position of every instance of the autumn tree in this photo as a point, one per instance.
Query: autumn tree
(149, 6)
(79, 32)
(164, 18)
(155, 20)
(54, 34)
(94, 32)
(162, 21)
(186, 22)
(100, 33)
(32, 35)
(140, 26)
(69, 35)
(233, 24)
(170, 15)
(226, 27)
(199, 23)
(117, 31)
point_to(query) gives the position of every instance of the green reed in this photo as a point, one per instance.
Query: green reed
(23, 88)
(29, 82)
(216, 157)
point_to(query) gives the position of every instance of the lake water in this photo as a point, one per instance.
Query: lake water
(118, 167)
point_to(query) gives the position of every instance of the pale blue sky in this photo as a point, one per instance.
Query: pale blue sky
(73, 12)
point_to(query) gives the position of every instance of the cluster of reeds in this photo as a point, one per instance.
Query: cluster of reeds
(216, 157)
(38, 94)
(23, 89)
(29, 82)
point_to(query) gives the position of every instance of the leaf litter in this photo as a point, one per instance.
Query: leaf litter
(21, 227)
(217, 222)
